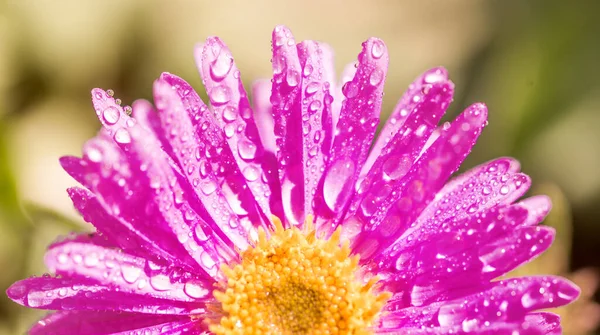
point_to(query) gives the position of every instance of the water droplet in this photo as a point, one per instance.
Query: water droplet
(396, 167)
(195, 289)
(350, 89)
(312, 88)
(220, 95)
(377, 49)
(376, 77)
(221, 66)
(308, 69)
(90, 260)
(130, 274)
(251, 173)
(314, 106)
(246, 149)
(160, 282)
(337, 186)
(292, 78)
(208, 187)
(122, 136)
(230, 114)
(111, 115)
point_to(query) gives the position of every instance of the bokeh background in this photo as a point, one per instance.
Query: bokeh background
(535, 63)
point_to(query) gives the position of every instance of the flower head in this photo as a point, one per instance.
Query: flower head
(281, 217)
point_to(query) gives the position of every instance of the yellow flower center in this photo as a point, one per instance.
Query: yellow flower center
(295, 283)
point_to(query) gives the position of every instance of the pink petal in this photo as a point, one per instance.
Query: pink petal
(89, 295)
(287, 114)
(338, 95)
(401, 148)
(414, 96)
(235, 116)
(202, 152)
(138, 240)
(538, 207)
(316, 116)
(503, 301)
(105, 323)
(144, 114)
(113, 268)
(396, 211)
(355, 130)
(263, 113)
(162, 198)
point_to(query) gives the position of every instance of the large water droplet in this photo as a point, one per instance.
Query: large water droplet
(246, 149)
(337, 186)
(376, 77)
(377, 49)
(230, 114)
(208, 187)
(111, 115)
(130, 274)
(396, 167)
(160, 282)
(195, 289)
(312, 88)
(221, 66)
(251, 173)
(122, 136)
(220, 95)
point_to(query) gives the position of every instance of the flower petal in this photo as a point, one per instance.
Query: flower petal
(503, 301)
(355, 130)
(111, 323)
(316, 116)
(417, 91)
(167, 201)
(395, 212)
(402, 148)
(287, 114)
(202, 152)
(234, 115)
(263, 113)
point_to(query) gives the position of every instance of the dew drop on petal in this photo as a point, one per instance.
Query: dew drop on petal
(220, 95)
(122, 136)
(377, 49)
(111, 115)
(337, 186)
(195, 289)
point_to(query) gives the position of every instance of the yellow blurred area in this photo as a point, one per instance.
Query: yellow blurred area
(533, 62)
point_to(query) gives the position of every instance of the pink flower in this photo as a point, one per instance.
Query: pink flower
(281, 217)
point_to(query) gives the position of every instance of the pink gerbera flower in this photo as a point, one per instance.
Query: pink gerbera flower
(281, 217)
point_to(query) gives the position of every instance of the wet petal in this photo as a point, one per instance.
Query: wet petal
(111, 323)
(503, 301)
(234, 115)
(263, 113)
(402, 148)
(402, 206)
(316, 116)
(161, 191)
(417, 91)
(355, 130)
(287, 114)
(202, 152)
(89, 295)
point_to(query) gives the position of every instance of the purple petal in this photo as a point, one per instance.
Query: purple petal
(202, 152)
(316, 116)
(503, 301)
(538, 207)
(356, 127)
(144, 114)
(234, 115)
(417, 91)
(148, 243)
(396, 211)
(287, 114)
(338, 95)
(88, 294)
(83, 258)
(105, 323)
(263, 113)
(402, 148)
(152, 191)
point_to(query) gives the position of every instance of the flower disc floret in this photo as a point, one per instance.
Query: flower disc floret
(295, 283)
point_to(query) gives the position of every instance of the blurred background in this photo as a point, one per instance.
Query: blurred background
(535, 63)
